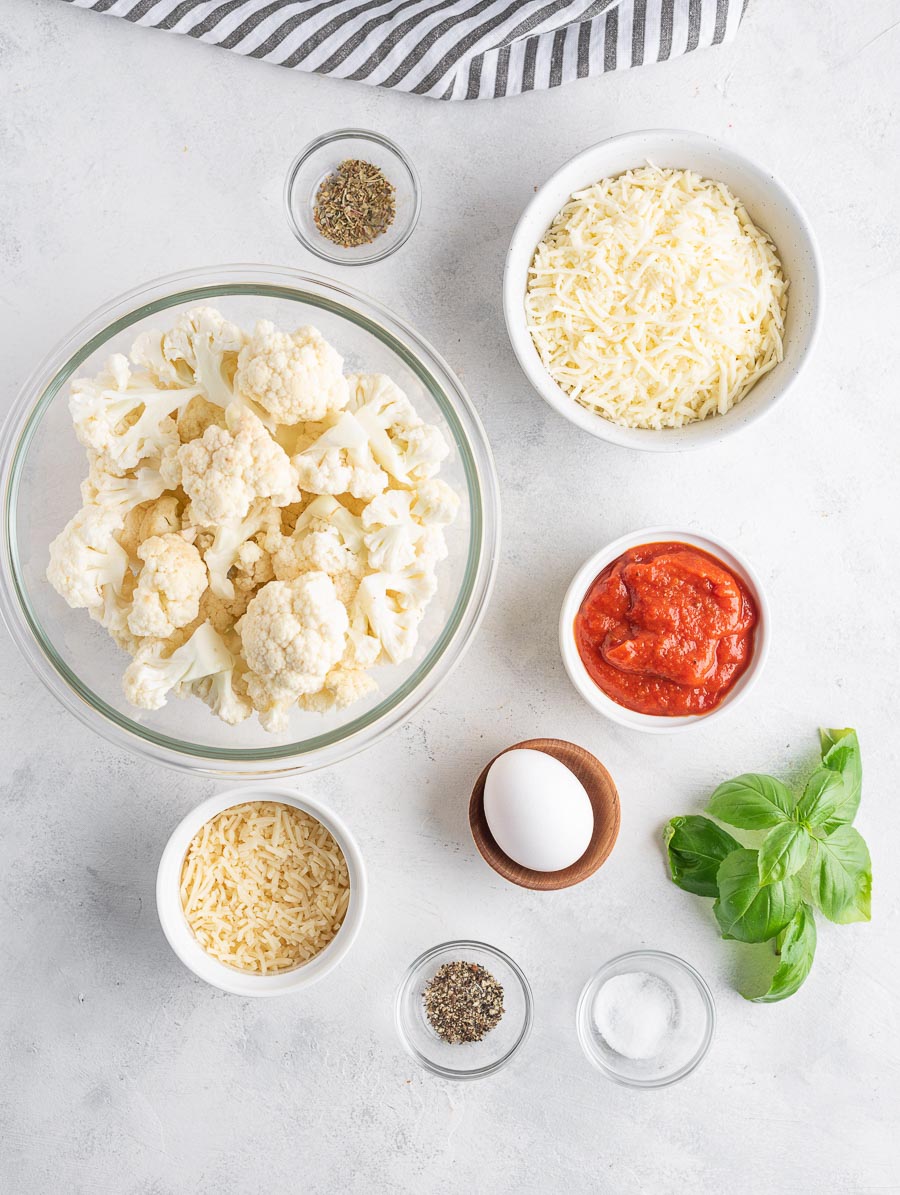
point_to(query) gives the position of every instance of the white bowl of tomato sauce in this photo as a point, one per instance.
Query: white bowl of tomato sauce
(664, 629)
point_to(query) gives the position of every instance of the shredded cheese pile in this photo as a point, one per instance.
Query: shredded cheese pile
(654, 300)
(264, 887)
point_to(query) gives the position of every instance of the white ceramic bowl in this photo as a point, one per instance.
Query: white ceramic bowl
(179, 934)
(771, 206)
(591, 569)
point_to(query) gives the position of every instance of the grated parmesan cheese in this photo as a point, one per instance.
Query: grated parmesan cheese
(264, 887)
(654, 300)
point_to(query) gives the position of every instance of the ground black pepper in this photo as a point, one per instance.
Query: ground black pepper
(463, 1002)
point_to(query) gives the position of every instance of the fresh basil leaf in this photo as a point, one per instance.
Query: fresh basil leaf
(751, 802)
(747, 910)
(821, 798)
(783, 852)
(797, 944)
(696, 847)
(842, 877)
(841, 753)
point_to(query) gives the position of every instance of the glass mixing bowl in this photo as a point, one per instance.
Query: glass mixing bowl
(43, 464)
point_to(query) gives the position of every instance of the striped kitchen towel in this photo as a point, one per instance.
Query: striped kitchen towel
(447, 49)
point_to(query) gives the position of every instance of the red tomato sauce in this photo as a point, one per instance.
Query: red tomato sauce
(666, 629)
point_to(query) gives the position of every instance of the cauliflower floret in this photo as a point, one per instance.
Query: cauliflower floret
(392, 535)
(363, 648)
(295, 376)
(226, 695)
(326, 511)
(161, 517)
(224, 613)
(316, 551)
(404, 526)
(293, 635)
(326, 538)
(341, 461)
(169, 587)
(423, 449)
(85, 557)
(124, 417)
(113, 613)
(120, 494)
(436, 503)
(253, 567)
(149, 519)
(224, 553)
(150, 677)
(226, 470)
(197, 416)
(410, 450)
(343, 687)
(394, 604)
(205, 345)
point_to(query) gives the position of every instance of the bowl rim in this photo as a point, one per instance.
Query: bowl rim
(196, 285)
(406, 982)
(587, 574)
(340, 256)
(648, 439)
(178, 933)
(582, 1016)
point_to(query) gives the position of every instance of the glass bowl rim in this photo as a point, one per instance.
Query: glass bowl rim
(403, 987)
(706, 996)
(178, 289)
(341, 256)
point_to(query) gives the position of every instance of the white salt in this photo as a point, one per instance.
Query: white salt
(635, 1013)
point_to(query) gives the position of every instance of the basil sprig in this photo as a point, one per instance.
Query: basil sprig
(811, 856)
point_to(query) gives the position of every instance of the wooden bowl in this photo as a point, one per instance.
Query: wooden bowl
(601, 791)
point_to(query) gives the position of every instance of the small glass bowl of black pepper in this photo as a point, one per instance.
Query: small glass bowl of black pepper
(440, 1002)
(352, 197)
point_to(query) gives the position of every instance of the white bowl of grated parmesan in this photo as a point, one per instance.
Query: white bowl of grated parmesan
(261, 891)
(662, 291)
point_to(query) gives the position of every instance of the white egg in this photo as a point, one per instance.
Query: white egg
(537, 810)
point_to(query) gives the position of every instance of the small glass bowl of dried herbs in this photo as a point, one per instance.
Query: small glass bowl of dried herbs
(352, 197)
(463, 1010)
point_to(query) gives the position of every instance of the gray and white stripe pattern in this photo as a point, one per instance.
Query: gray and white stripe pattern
(446, 49)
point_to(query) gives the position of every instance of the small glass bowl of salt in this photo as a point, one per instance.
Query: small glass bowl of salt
(646, 1019)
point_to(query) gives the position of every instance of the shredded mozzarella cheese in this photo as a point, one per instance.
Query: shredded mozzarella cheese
(654, 300)
(264, 887)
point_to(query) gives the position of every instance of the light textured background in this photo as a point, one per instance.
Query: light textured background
(126, 153)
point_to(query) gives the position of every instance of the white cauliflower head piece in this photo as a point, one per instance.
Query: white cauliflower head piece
(340, 461)
(226, 470)
(125, 417)
(86, 557)
(230, 538)
(150, 677)
(391, 532)
(435, 503)
(205, 345)
(409, 449)
(120, 494)
(343, 687)
(169, 588)
(394, 605)
(225, 694)
(296, 377)
(405, 526)
(327, 538)
(293, 634)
